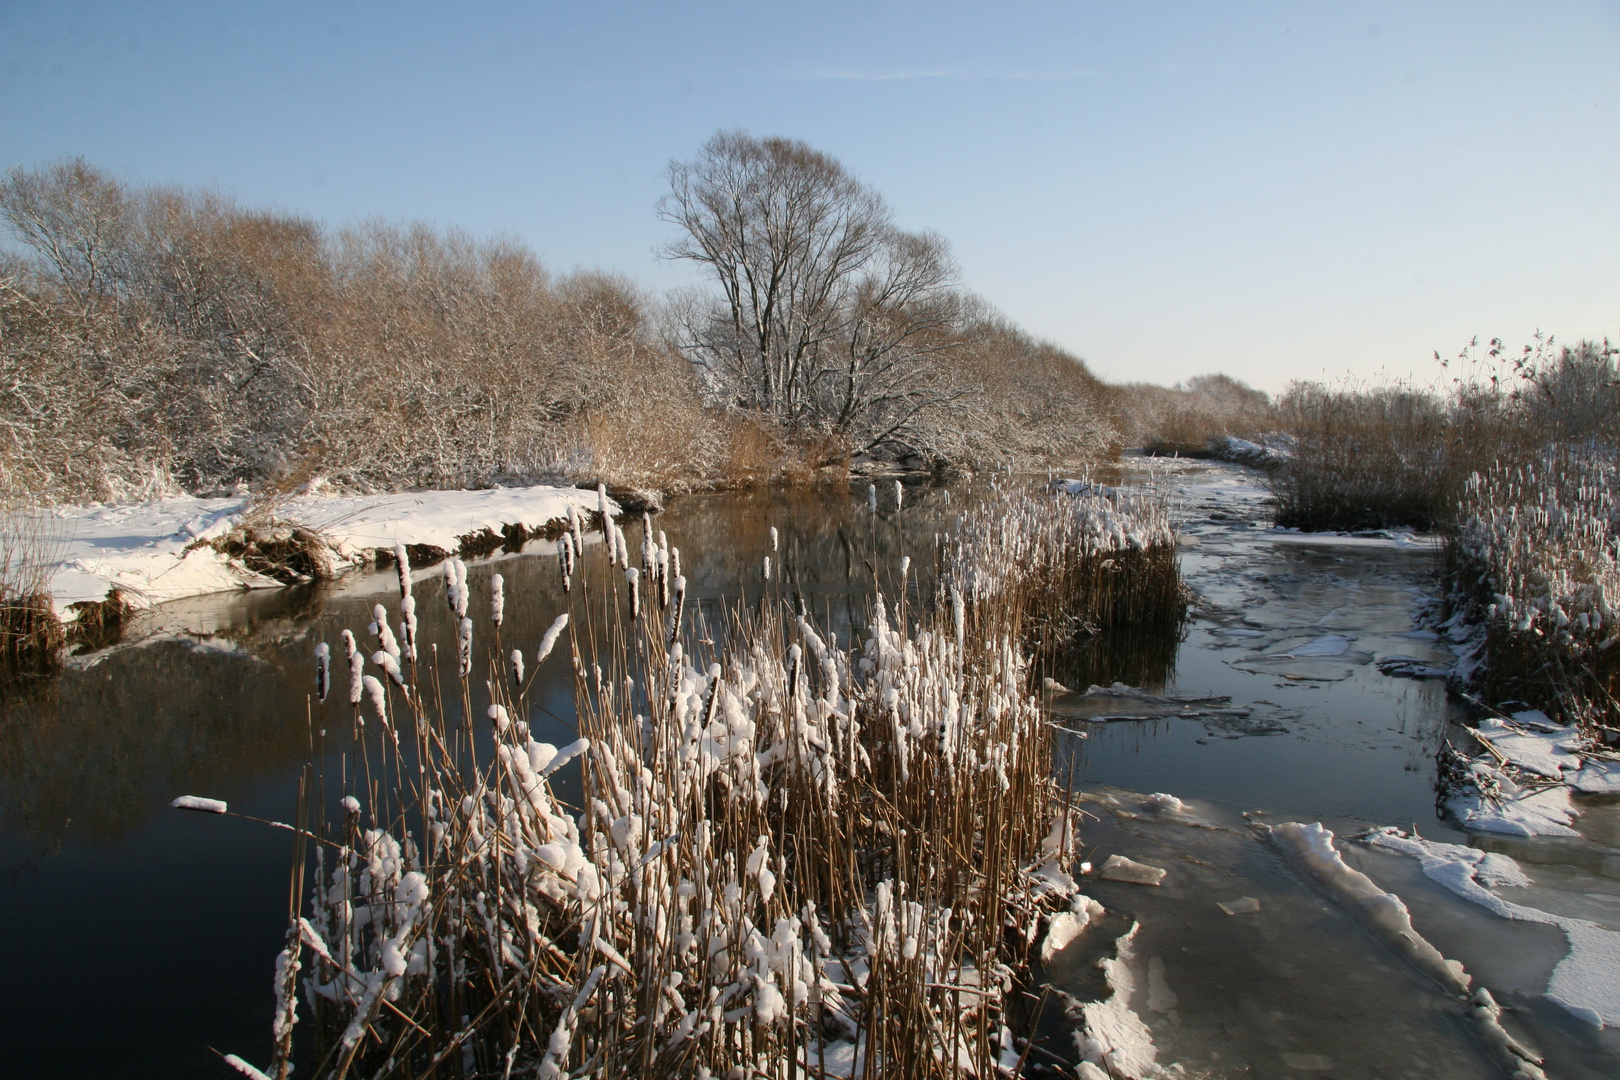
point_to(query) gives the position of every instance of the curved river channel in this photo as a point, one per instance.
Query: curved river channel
(138, 941)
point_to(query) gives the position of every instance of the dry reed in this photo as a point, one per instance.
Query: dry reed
(793, 857)
(31, 635)
(1536, 561)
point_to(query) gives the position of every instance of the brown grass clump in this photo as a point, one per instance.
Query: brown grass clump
(1194, 419)
(1079, 562)
(1370, 459)
(31, 635)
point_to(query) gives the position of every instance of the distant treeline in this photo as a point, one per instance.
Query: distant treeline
(156, 340)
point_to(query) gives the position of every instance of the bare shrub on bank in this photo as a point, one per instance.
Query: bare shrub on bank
(1195, 418)
(156, 340)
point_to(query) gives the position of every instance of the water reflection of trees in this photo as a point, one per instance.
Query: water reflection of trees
(104, 747)
(218, 702)
(1143, 657)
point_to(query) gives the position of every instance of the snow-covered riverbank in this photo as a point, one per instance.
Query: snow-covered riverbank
(165, 550)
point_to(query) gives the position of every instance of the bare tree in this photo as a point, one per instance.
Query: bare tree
(74, 218)
(830, 320)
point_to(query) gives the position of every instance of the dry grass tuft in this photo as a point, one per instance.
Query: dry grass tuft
(31, 635)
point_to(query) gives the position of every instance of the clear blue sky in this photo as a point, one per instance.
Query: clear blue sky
(1276, 191)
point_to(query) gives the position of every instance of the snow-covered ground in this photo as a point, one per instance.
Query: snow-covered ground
(158, 551)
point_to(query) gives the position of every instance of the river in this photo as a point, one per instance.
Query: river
(140, 939)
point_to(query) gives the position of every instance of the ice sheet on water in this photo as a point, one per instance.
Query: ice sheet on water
(1297, 977)
(1121, 702)
(1295, 670)
(1112, 1035)
(200, 804)
(1326, 645)
(1243, 905)
(1313, 846)
(1412, 667)
(1586, 982)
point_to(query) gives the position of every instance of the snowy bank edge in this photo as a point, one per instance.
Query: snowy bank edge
(145, 554)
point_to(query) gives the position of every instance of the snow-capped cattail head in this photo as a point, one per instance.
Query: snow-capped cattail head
(357, 667)
(407, 627)
(384, 633)
(631, 576)
(767, 568)
(497, 598)
(517, 668)
(675, 562)
(899, 495)
(871, 497)
(773, 538)
(379, 697)
(323, 670)
(390, 666)
(549, 642)
(402, 564)
(905, 565)
(459, 568)
(602, 508)
(678, 598)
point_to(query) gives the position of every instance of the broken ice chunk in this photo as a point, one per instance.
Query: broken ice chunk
(1119, 868)
(1243, 905)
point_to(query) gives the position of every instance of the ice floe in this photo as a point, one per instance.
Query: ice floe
(1586, 982)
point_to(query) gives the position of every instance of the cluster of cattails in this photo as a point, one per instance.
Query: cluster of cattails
(793, 856)
(1076, 560)
(1536, 559)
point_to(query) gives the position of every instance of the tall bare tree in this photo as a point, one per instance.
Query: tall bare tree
(830, 319)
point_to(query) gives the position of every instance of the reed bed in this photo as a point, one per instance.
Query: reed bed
(792, 857)
(1536, 562)
(1078, 562)
(1371, 459)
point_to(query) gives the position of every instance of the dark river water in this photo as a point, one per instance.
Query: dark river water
(138, 940)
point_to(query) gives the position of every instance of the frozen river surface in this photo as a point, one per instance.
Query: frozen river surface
(138, 938)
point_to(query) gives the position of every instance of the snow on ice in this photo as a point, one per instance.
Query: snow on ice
(1586, 982)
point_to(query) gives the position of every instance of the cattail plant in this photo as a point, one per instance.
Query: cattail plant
(792, 857)
(1536, 561)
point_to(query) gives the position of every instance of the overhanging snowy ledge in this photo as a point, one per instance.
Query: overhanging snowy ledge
(154, 552)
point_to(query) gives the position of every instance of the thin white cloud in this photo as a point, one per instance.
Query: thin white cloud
(954, 76)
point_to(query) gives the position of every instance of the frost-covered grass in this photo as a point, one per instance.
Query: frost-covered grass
(793, 855)
(1536, 561)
